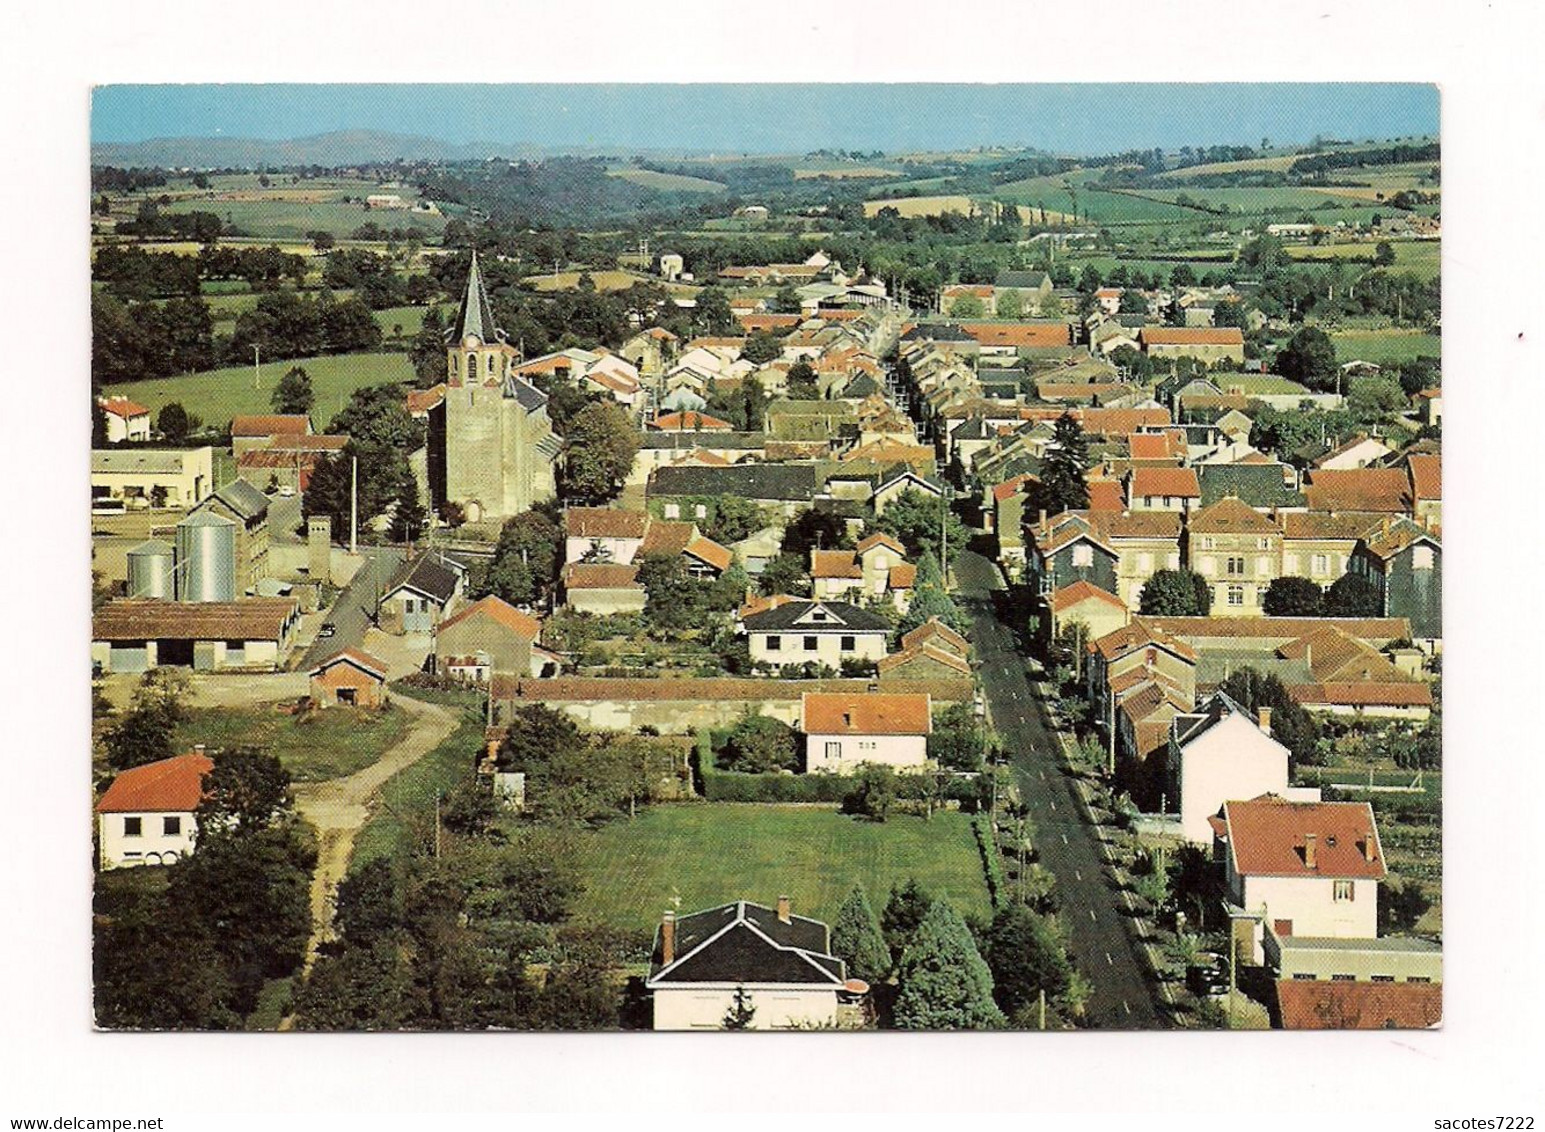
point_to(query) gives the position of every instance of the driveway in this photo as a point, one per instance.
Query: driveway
(1103, 937)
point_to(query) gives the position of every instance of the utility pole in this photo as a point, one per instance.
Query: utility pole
(354, 505)
(257, 366)
(437, 825)
(1042, 997)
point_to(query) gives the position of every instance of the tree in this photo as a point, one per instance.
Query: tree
(1401, 906)
(786, 301)
(967, 306)
(873, 793)
(815, 530)
(1383, 254)
(1010, 303)
(958, 741)
(602, 443)
(759, 744)
(1309, 358)
(915, 518)
(857, 941)
(409, 518)
(742, 1012)
(1291, 725)
(248, 789)
(1133, 302)
(1371, 399)
(1062, 486)
(761, 347)
(1175, 593)
(1027, 958)
(369, 907)
(1293, 597)
(293, 394)
(173, 422)
(674, 599)
(144, 734)
(733, 519)
(712, 314)
(427, 350)
(945, 984)
(801, 384)
(1353, 595)
(904, 911)
(784, 574)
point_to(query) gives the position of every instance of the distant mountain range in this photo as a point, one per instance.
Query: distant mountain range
(343, 147)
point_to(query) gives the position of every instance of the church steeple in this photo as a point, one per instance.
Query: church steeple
(477, 316)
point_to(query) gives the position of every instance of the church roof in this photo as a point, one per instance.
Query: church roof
(477, 315)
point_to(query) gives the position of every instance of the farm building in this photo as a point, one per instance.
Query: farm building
(147, 816)
(349, 677)
(168, 477)
(137, 634)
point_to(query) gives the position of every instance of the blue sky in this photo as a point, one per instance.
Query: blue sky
(768, 118)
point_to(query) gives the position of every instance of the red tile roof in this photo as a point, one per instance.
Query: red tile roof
(1268, 836)
(667, 537)
(140, 619)
(1082, 591)
(1231, 516)
(1105, 495)
(924, 652)
(174, 785)
(296, 424)
(768, 321)
(933, 629)
(1021, 335)
(873, 713)
(604, 522)
(500, 611)
(1281, 628)
(122, 407)
(422, 400)
(357, 657)
(1140, 634)
(1155, 446)
(1012, 487)
(1385, 490)
(903, 576)
(1320, 1004)
(880, 538)
(1192, 336)
(706, 550)
(834, 564)
(599, 576)
(1363, 693)
(1426, 476)
(690, 421)
(1180, 483)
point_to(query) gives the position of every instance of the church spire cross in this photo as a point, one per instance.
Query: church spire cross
(477, 316)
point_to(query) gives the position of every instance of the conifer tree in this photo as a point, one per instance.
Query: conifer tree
(857, 941)
(1062, 486)
(945, 982)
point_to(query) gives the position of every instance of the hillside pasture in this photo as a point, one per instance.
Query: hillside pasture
(846, 173)
(218, 395)
(1385, 347)
(666, 182)
(922, 206)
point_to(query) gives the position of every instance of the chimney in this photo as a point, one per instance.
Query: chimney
(198, 748)
(668, 938)
(1043, 516)
(1368, 847)
(785, 916)
(1263, 717)
(1309, 840)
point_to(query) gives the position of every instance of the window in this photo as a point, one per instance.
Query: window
(131, 826)
(1382, 978)
(701, 510)
(490, 363)
(1234, 566)
(1145, 563)
(1343, 891)
(1304, 976)
(1321, 565)
(1421, 558)
(818, 615)
(812, 643)
(834, 750)
(236, 645)
(1236, 595)
(673, 510)
(774, 643)
(171, 827)
(1208, 544)
(849, 644)
(1263, 544)
(1343, 978)
(1169, 501)
(1083, 555)
(1417, 979)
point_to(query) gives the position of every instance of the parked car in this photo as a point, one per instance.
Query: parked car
(1209, 979)
(327, 630)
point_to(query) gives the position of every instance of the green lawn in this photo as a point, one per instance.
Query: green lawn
(710, 853)
(218, 395)
(325, 744)
(292, 219)
(1384, 346)
(411, 319)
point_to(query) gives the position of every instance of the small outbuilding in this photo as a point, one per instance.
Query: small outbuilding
(351, 678)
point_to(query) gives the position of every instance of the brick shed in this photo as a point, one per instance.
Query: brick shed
(349, 677)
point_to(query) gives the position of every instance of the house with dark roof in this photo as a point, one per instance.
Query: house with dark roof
(784, 487)
(1262, 486)
(420, 594)
(1403, 561)
(147, 816)
(818, 632)
(1218, 752)
(779, 963)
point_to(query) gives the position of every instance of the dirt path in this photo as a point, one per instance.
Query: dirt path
(339, 808)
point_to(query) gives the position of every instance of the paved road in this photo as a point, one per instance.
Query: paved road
(353, 610)
(1104, 940)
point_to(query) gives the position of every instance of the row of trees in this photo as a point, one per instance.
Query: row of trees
(1185, 593)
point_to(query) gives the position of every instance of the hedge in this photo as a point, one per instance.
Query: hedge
(992, 865)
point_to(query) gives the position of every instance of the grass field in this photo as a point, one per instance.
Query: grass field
(407, 800)
(714, 852)
(921, 206)
(218, 395)
(1385, 346)
(846, 173)
(1421, 257)
(411, 319)
(666, 182)
(292, 219)
(322, 745)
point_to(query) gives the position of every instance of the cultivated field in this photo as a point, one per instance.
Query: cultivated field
(1421, 257)
(845, 173)
(691, 857)
(218, 395)
(921, 206)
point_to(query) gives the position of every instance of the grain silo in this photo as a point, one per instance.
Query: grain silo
(150, 570)
(206, 558)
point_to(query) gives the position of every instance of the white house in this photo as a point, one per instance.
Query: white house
(1219, 753)
(781, 963)
(823, 632)
(126, 419)
(1359, 452)
(1301, 868)
(604, 534)
(146, 817)
(846, 729)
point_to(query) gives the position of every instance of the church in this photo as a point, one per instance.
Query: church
(492, 448)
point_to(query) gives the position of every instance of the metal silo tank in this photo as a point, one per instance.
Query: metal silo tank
(206, 558)
(150, 570)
